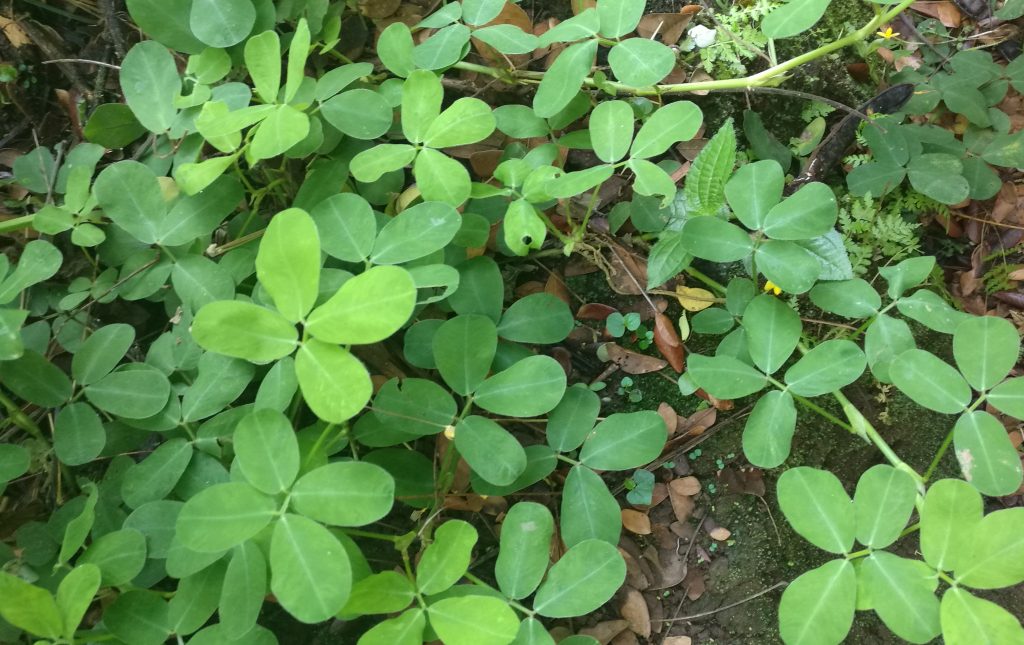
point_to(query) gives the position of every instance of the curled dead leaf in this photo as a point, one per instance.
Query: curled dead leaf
(628, 361)
(667, 341)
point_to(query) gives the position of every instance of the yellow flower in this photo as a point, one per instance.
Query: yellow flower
(770, 286)
(888, 34)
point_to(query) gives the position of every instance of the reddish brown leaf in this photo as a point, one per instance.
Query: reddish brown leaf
(669, 416)
(594, 311)
(555, 285)
(628, 361)
(667, 340)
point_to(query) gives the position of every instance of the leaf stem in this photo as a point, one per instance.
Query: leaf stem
(16, 224)
(20, 419)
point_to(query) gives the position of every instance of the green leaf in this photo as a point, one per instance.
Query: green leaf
(150, 84)
(30, 608)
(464, 348)
(33, 378)
(155, 477)
(155, 520)
(792, 18)
(930, 382)
(447, 558)
(282, 129)
(705, 182)
(619, 17)
(443, 49)
(490, 450)
(668, 257)
(481, 288)
(136, 391)
(130, 196)
(120, 556)
(583, 25)
(341, 77)
(288, 262)
(465, 121)
(416, 407)
(473, 620)
(416, 232)
(523, 554)
(611, 130)
(562, 81)
(952, 511)
(907, 274)
(346, 226)
(848, 298)
(199, 281)
(79, 527)
(809, 212)
(359, 113)
(640, 62)
(113, 125)
(221, 380)
(344, 493)
(988, 460)
(993, 545)
(570, 184)
(223, 516)
(938, 176)
(818, 508)
(481, 12)
(985, 349)
(886, 338)
(11, 345)
(310, 572)
(367, 309)
(222, 23)
(298, 52)
(589, 511)
(585, 578)
(39, 261)
(335, 383)
(929, 309)
(724, 376)
(167, 22)
(245, 586)
(195, 599)
(263, 60)
(74, 595)
(791, 267)
(677, 121)
(967, 620)
(523, 228)
(244, 330)
(421, 104)
(875, 177)
(573, 418)
(78, 434)
(829, 366)
(441, 178)
(817, 608)
(532, 386)
(763, 143)
(711, 238)
(370, 165)
(267, 450)
(139, 617)
(624, 440)
(768, 433)
(652, 180)
(406, 629)
(520, 122)
(1008, 397)
(507, 39)
(394, 47)
(773, 331)
(380, 593)
(882, 504)
(538, 318)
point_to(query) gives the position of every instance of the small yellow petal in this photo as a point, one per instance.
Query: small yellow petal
(449, 432)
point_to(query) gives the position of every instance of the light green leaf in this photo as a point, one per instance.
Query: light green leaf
(995, 542)
(30, 608)
(570, 184)
(222, 23)
(818, 508)
(705, 182)
(809, 212)
(79, 527)
(562, 81)
(532, 386)
(829, 366)
(792, 18)
(640, 62)
(465, 121)
(130, 196)
(668, 257)
(335, 383)
(282, 129)
(421, 104)
(886, 338)
(524, 552)
(310, 571)
(288, 262)
(443, 49)
(611, 130)
(341, 77)
(406, 629)
(768, 433)
(967, 620)
(907, 274)
(380, 593)
(263, 60)
(223, 516)
(773, 331)
(817, 608)
(447, 558)
(490, 450)
(464, 348)
(589, 511)
(370, 165)
(441, 178)
(101, 352)
(507, 39)
(345, 493)
(346, 225)
(367, 309)
(416, 232)
(652, 180)
(725, 377)
(120, 556)
(952, 511)
(150, 84)
(882, 504)
(74, 595)
(985, 349)
(473, 620)
(359, 113)
(677, 121)
(930, 382)
(619, 17)
(585, 578)
(298, 51)
(267, 450)
(624, 440)
(155, 477)
(394, 47)
(711, 238)
(523, 227)
(244, 330)
(988, 460)
(245, 586)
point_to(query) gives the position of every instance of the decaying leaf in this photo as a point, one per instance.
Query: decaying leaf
(694, 298)
(698, 422)
(626, 272)
(628, 361)
(594, 311)
(555, 285)
(634, 609)
(636, 521)
(606, 630)
(667, 27)
(379, 8)
(669, 416)
(667, 341)
(682, 505)
(686, 485)
(677, 640)
(717, 533)
(694, 584)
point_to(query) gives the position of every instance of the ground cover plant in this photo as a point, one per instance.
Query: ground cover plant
(352, 411)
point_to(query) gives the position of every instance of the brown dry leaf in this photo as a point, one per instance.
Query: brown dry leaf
(690, 149)
(579, 6)
(625, 638)
(14, 33)
(606, 630)
(684, 530)
(945, 12)
(637, 573)
(484, 162)
(594, 311)
(378, 8)
(626, 272)
(698, 422)
(747, 481)
(471, 503)
(694, 298)
(556, 287)
(669, 416)
(682, 505)
(677, 640)
(668, 27)
(694, 584)
(636, 521)
(686, 485)
(511, 14)
(670, 566)
(529, 288)
(666, 339)
(659, 494)
(634, 609)
(717, 533)
(630, 362)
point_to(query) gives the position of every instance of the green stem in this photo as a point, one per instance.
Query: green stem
(370, 534)
(317, 446)
(707, 280)
(16, 224)
(822, 412)
(939, 455)
(20, 419)
(480, 583)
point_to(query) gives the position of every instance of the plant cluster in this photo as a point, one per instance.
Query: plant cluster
(289, 229)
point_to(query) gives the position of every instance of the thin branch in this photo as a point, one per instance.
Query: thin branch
(84, 61)
(705, 614)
